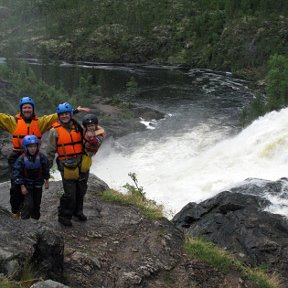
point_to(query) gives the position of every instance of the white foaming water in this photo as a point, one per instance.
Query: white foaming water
(178, 170)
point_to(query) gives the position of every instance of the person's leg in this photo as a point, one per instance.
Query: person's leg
(37, 196)
(27, 205)
(81, 191)
(67, 201)
(16, 197)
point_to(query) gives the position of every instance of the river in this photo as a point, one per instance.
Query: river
(199, 148)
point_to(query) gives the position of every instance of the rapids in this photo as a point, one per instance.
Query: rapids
(195, 164)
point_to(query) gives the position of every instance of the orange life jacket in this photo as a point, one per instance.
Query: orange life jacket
(69, 144)
(23, 129)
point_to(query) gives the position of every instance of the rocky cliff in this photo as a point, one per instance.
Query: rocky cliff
(116, 247)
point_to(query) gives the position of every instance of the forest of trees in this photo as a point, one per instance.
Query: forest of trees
(246, 37)
(183, 31)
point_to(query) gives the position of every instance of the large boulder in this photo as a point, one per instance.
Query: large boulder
(239, 223)
(29, 245)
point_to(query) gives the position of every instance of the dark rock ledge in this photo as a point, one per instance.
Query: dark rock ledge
(237, 221)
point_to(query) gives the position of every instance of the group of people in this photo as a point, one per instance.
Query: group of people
(74, 146)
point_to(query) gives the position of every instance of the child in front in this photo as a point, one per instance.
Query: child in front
(31, 171)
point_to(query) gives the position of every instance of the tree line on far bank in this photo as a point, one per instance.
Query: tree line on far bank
(246, 37)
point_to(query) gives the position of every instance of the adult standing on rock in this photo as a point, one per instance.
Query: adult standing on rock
(66, 140)
(20, 125)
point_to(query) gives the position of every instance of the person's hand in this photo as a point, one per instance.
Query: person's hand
(83, 109)
(24, 190)
(46, 183)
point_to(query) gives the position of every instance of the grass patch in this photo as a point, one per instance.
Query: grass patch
(27, 278)
(223, 261)
(150, 208)
(7, 283)
(137, 197)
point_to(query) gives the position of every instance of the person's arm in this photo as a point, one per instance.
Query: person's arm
(46, 121)
(100, 134)
(100, 131)
(81, 109)
(46, 174)
(51, 146)
(7, 122)
(94, 140)
(45, 165)
(17, 171)
(46, 183)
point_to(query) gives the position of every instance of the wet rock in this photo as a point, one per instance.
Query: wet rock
(48, 254)
(48, 284)
(237, 222)
(25, 245)
(5, 150)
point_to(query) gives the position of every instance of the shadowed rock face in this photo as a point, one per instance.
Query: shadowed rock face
(116, 247)
(5, 150)
(237, 222)
(29, 244)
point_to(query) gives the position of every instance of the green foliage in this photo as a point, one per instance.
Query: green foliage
(235, 35)
(132, 88)
(277, 82)
(276, 90)
(135, 196)
(256, 109)
(26, 279)
(135, 190)
(181, 31)
(23, 81)
(223, 261)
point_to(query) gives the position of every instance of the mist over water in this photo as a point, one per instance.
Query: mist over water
(196, 164)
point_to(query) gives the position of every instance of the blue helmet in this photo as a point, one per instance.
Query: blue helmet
(64, 107)
(26, 100)
(29, 139)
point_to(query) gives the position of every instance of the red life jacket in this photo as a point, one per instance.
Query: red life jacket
(23, 129)
(69, 144)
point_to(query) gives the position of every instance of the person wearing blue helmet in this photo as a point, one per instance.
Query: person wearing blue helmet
(20, 125)
(66, 140)
(30, 172)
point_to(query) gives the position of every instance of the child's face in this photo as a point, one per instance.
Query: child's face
(32, 149)
(91, 127)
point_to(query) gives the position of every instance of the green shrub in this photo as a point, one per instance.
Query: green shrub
(277, 82)
(24, 81)
(135, 196)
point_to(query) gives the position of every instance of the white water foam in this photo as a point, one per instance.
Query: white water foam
(177, 170)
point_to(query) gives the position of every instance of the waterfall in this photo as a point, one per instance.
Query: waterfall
(194, 165)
